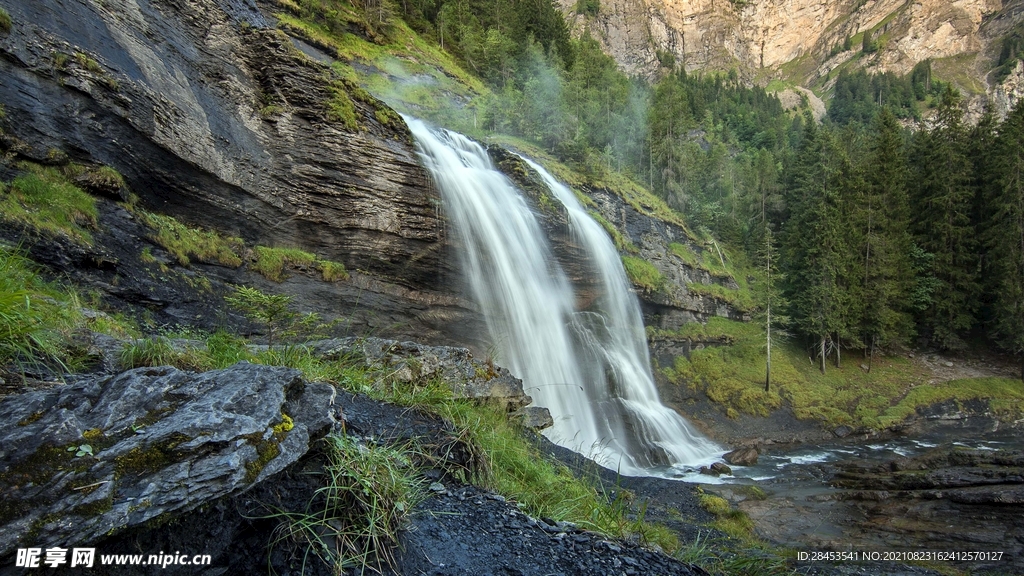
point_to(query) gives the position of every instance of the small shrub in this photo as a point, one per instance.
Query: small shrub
(268, 310)
(5, 21)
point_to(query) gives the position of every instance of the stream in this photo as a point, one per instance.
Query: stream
(953, 486)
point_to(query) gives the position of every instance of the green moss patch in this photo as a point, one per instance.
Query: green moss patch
(271, 262)
(643, 274)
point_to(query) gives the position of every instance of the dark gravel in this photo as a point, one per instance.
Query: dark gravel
(467, 530)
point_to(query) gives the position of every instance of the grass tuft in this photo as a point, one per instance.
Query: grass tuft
(354, 519)
(34, 316)
(184, 242)
(5, 21)
(46, 201)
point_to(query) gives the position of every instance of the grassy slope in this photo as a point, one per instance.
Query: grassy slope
(733, 375)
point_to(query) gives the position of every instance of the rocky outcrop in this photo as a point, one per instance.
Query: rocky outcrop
(411, 362)
(216, 118)
(742, 456)
(110, 452)
(913, 499)
(704, 34)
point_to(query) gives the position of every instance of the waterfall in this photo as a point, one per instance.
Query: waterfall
(590, 368)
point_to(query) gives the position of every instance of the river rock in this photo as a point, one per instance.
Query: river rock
(467, 376)
(842, 431)
(105, 453)
(745, 456)
(721, 468)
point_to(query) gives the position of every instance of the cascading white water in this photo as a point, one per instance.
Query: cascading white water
(612, 332)
(591, 368)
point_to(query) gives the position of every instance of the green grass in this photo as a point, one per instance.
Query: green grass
(733, 376)
(159, 351)
(741, 300)
(5, 21)
(727, 519)
(186, 243)
(35, 316)
(960, 71)
(44, 199)
(643, 274)
(1006, 397)
(271, 262)
(353, 520)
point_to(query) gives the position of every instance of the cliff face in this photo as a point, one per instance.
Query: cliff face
(216, 118)
(762, 36)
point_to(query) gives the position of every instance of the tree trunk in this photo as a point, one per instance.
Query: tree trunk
(871, 353)
(837, 352)
(768, 361)
(822, 354)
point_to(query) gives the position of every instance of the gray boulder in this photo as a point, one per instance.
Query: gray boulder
(105, 453)
(467, 376)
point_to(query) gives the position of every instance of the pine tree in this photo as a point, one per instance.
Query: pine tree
(815, 241)
(885, 247)
(1006, 234)
(944, 204)
(768, 299)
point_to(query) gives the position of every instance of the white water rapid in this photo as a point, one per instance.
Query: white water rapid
(589, 368)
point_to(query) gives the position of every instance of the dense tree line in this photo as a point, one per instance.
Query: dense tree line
(902, 235)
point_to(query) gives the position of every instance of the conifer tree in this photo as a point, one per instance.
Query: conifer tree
(1006, 234)
(768, 299)
(815, 243)
(885, 247)
(944, 203)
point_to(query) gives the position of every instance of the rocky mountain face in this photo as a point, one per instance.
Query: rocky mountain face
(216, 118)
(794, 39)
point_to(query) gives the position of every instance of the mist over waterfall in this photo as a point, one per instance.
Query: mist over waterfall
(590, 367)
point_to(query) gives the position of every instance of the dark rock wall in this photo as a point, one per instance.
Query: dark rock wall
(173, 98)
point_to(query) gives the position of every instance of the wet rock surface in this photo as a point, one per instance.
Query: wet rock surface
(945, 499)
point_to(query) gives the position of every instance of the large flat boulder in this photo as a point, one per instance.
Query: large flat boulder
(105, 453)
